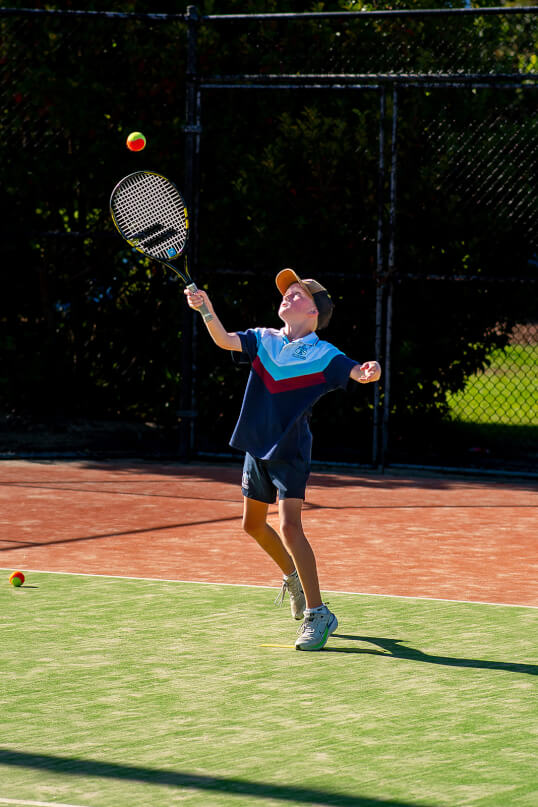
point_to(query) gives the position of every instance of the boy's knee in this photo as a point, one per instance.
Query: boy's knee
(292, 532)
(253, 527)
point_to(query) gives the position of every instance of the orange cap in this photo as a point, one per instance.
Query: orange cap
(315, 290)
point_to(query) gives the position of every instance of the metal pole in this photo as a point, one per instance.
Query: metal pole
(195, 242)
(187, 399)
(390, 272)
(379, 272)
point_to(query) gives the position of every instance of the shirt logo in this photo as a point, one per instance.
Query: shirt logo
(301, 351)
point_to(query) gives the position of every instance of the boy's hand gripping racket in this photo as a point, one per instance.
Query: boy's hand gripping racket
(150, 213)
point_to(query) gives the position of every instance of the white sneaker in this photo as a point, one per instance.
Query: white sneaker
(316, 629)
(297, 599)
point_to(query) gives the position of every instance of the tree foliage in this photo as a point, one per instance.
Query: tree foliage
(288, 177)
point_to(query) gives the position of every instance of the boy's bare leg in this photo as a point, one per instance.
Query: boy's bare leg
(297, 545)
(255, 524)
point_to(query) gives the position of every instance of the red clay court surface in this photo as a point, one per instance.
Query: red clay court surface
(440, 537)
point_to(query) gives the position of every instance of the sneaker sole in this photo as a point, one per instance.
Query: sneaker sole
(331, 627)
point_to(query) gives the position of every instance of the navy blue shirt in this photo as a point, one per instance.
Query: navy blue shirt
(285, 381)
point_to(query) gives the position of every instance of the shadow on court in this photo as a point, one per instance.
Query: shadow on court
(150, 529)
(209, 784)
(139, 519)
(230, 473)
(323, 474)
(393, 648)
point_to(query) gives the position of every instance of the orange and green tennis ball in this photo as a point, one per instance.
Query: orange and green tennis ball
(136, 141)
(16, 579)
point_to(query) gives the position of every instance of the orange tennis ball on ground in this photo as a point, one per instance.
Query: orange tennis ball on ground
(16, 579)
(136, 141)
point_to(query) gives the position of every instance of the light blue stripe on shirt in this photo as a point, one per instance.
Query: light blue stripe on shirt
(322, 354)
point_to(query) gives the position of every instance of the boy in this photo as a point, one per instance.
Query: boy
(290, 370)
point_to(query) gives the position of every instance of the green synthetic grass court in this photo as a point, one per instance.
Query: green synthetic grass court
(130, 693)
(504, 393)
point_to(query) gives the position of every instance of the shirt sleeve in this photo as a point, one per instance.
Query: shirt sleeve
(338, 370)
(249, 346)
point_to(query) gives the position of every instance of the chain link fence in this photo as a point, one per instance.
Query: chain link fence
(390, 154)
(467, 179)
(498, 404)
(89, 331)
(404, 44)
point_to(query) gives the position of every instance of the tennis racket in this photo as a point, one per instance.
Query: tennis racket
(150, 213)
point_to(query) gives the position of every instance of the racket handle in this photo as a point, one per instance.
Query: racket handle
(204, 310)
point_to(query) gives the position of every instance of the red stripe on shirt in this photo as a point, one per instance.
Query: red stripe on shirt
(286, 384)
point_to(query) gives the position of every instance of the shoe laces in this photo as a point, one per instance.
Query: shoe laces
(294, 586)
(308, 625)
(282, 593)
(309, 620)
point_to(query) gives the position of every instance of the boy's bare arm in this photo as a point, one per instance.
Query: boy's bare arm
(366, 373)
(217, 331)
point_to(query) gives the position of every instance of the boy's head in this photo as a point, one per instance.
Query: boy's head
(306, 298)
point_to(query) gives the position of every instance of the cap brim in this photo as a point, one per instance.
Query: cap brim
(285, 278)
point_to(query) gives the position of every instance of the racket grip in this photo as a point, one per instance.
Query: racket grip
(204, 310)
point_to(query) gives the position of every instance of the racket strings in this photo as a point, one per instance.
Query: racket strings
(150, 214)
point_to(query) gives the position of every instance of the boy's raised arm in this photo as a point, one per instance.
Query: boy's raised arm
(217, 331)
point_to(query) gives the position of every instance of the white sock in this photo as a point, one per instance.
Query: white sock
(321, 609)
(293, 574)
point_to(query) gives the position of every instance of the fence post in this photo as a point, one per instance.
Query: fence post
(391, 263)
(187, 398)
(380, 283)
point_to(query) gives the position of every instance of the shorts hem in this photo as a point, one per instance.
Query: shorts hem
(248, 495)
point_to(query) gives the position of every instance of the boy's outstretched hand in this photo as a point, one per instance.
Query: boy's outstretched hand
(367, 372)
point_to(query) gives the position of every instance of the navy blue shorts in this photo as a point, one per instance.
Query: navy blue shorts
(262, 479)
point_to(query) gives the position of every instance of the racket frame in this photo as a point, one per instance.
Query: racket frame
(184, 276)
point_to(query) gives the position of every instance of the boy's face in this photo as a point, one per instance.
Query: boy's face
(297, 306)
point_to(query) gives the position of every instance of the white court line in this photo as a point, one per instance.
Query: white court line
(251, 585)
(36, 803)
